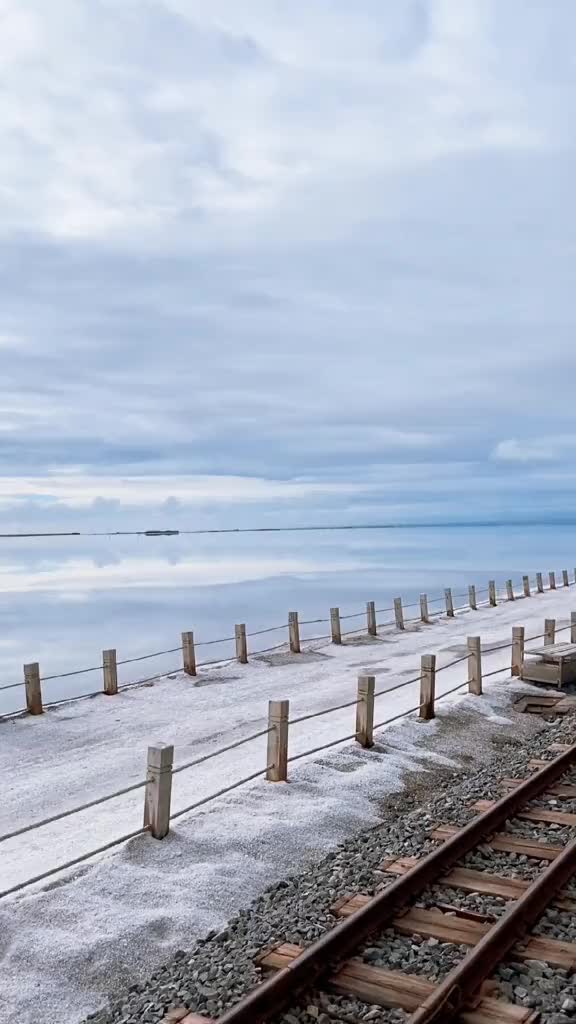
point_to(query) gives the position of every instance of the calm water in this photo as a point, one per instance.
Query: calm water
(63, 600)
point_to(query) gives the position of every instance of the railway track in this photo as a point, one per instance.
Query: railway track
(485, 914)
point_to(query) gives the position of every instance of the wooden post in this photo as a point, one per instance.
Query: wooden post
(573, 627)
(241, 645)
(365, 711)
(517, 650)
(371, 618)
(549, 631)
(539, 583)
(188, 654)
(552, 578)
(424, 614)
(509, 590)
(565, 579)
(398, 613)
(449, 603)
(335, 626)
(474, 666)
(472, 597)
(33, 688)
(294, 632)
(110, 672)
(526, 586)
(277, 750)
(158, 791)
(427, 686)
(492, 593)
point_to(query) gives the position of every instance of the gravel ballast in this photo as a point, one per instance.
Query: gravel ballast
(219, 969)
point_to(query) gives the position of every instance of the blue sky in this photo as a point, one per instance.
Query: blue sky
(283, 261)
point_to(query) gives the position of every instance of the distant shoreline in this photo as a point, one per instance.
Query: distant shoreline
(290, 529)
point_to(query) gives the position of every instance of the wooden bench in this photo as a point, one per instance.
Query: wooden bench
(554, 664)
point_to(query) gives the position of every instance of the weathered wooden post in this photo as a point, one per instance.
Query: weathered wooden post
(424, 614)
(188, 654)
(509, 590)
(241, 644)
(110, 670)
(474, 666)
(552, 578)
(398, 613)
(335, 627)
(427, 686)
(371, 618)
(565, 580)
(33, 689)
(573, 627)
(449, 603)
(518, 634)
(365, 711)
(492, 593)
(549, 631)
(277, 749)
(472, 597)
(526, 586)
(539, 583)
(294, 632)
(158, 791)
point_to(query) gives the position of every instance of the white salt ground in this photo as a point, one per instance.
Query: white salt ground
(68, 944)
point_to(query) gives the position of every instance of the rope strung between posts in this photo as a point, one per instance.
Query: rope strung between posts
(221, 792)
(398, 686)
(221, 750)
(72, 810)
(76, 860)
(325, 711)
(259, 632)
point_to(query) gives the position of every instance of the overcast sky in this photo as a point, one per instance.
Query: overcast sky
(286, 261)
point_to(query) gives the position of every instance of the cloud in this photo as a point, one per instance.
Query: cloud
(222, 112)
(77, 490)
(538, 449)
(325, 243)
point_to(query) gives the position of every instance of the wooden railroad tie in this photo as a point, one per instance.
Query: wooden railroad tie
(394, 990)
(537, 814)
(483, 882)
(504, 842)
(562, 792)
(462, 931)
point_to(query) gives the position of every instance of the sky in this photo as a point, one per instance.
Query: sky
(282, 262)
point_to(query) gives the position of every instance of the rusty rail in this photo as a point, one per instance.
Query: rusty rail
(462, 984)
(335, 946)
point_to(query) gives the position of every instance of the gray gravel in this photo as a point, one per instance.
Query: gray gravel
(220, 969)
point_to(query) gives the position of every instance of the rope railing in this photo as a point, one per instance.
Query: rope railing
(221, 750)
(158, 813)
(269, 629)
(74, 861)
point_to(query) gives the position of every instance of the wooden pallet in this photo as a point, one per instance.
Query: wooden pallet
(535, 704)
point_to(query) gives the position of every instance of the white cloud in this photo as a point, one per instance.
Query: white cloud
(537, 449)
(130, 117)
(78, 491)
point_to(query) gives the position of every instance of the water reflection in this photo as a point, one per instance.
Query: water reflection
(63, 600)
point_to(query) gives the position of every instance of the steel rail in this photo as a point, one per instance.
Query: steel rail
(338, 944)
(462, 984)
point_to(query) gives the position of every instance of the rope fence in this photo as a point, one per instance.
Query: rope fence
(110, 663)
(160, 768)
